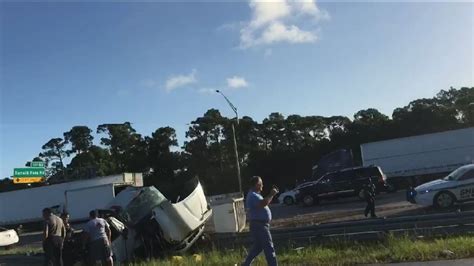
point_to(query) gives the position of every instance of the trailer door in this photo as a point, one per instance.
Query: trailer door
(79, 202)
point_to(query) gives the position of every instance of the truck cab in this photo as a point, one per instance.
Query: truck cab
(147, 221)
(153, 222)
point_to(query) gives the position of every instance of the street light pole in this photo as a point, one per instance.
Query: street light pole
(234, 138)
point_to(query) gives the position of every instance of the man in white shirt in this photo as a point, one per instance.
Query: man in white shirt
(98, 235)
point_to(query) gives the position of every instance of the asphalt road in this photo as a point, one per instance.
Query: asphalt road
(342, 204)
(350, 208)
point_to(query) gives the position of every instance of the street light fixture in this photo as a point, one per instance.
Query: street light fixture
(235, 140)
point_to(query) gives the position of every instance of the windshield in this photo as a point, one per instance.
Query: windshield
(456, 174)
(142, 205)
(321, 179)
(304, 184)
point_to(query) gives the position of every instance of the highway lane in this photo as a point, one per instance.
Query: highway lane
(350, 208)
(387, 205)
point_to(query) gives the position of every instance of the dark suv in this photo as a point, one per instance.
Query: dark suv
(345, 182)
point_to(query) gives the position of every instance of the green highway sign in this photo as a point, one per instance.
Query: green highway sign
(37, 164)
(28, 172)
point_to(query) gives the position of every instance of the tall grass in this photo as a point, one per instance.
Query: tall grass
(25, 250)
(394, 249)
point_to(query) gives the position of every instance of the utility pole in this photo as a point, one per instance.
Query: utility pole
(235, 139)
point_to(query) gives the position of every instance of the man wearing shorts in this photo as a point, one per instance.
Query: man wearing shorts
(98, 235)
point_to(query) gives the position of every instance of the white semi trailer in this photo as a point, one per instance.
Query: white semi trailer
(423, 156)
(76, 197)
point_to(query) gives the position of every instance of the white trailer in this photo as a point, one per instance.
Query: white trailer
(76, 197)
(421, 155)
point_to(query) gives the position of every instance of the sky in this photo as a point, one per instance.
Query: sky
(158, 64)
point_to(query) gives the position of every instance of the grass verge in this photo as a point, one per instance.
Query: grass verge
(25, 250)
(341, 253)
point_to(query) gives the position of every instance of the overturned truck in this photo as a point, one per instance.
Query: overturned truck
(147, 222)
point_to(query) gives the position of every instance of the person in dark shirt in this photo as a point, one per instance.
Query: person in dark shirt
(69, 230)
(369, 195)
(69, 252)
(260, 217)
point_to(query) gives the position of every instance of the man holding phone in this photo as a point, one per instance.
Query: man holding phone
(260, 217)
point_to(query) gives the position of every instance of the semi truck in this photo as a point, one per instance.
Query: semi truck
(76, 197)
(417, 159)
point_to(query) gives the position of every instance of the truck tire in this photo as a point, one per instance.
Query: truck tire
(308, 200)
(444, 200)
(288, 200)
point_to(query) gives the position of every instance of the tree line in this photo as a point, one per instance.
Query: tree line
(281, 149)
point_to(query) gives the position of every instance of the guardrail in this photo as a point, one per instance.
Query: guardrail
(369, 229)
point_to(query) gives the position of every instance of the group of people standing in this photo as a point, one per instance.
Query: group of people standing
(58, 239)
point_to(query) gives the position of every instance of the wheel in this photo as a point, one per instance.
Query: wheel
(308, 200)
(288, 200)
(444, 200)
(391, 188)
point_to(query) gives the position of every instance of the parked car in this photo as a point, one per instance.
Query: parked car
(346, 182)
(289, 197)
(8, 237)
(443, 193)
